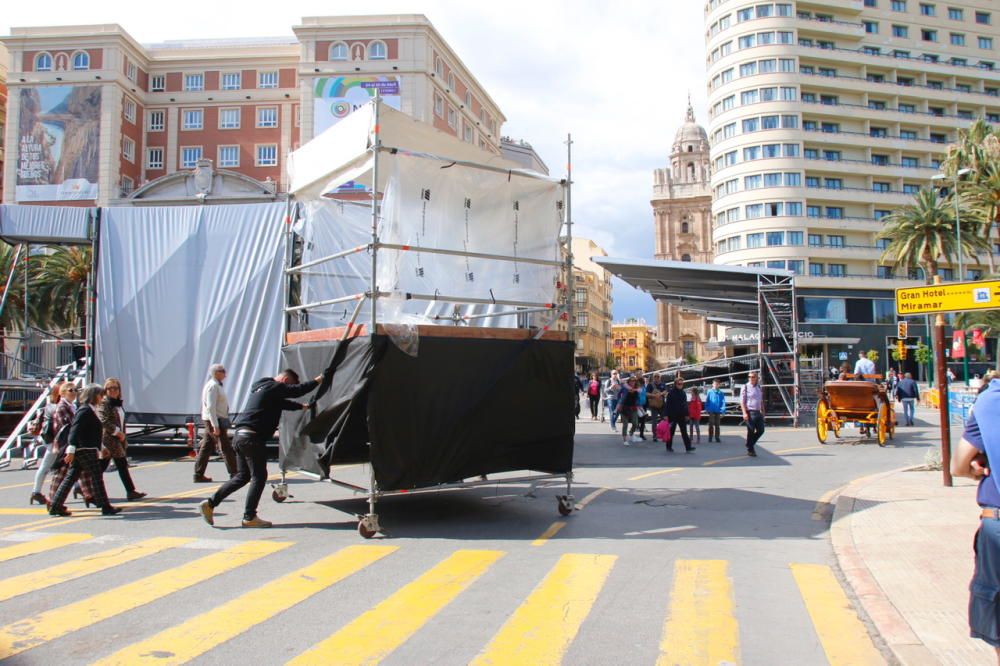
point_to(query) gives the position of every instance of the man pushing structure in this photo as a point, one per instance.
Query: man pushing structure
(268, 398)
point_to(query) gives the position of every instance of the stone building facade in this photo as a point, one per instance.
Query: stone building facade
(682, 219)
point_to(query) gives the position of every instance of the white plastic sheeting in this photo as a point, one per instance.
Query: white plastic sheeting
(180, 288)
(468, 206)
(45, 224)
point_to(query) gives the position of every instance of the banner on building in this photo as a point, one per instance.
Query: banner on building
(958, 344)
(978, 338)
(58, 146)
(335, 97)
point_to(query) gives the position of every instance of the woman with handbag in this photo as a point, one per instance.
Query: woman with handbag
(44, 427)
(654, 403)
(61, 420)
(628, 409)
(112, 415)
(82, 457)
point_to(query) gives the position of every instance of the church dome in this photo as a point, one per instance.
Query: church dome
(691, 137)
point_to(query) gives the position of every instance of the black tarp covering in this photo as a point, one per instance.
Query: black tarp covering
(459, 409)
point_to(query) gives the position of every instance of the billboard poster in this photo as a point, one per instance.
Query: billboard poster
(335, 97)
(58, 145)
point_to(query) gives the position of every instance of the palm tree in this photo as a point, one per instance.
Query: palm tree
(12, 316)
(61, 285)
(922, 234)
(978, 149)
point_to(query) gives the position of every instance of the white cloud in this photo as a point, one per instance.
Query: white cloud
(616, 75)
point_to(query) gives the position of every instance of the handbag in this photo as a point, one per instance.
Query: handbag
(654, 400)
(641, 412)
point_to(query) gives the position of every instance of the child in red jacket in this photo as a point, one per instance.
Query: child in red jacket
(694, 414)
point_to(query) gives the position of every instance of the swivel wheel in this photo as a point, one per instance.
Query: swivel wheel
(278, 497)
(280, 492)
(364, 530)
(565, 505)
(368, 525)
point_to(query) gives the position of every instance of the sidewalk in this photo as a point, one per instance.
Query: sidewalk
(904, 543)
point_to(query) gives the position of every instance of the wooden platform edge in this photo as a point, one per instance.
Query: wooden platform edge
(458, 332)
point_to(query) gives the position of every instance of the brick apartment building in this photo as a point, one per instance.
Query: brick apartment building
(98, 119)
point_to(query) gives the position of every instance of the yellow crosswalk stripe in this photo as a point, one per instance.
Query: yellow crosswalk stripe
(375, 634)
(49, 625)
(41, 545)
(844, 638)
(60, 573)
(541, 629)
(700, 627)
(200, 634)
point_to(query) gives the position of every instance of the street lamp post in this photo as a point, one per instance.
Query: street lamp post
(961, 259)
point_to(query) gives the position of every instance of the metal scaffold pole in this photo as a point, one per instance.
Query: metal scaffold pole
(570, 314)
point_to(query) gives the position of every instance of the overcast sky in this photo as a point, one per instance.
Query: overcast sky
(614, 74)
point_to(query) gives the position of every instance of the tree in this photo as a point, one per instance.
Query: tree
(922, 234)
(978, 149)
(60, 284)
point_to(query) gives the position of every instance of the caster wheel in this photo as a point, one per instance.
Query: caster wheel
(278, 497)
(364, 530)
(565, 506)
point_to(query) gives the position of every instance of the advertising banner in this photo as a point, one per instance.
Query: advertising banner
(58, 146)
(958, 344)
(337, 96)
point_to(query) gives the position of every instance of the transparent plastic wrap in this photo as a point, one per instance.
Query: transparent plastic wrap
(455, 232)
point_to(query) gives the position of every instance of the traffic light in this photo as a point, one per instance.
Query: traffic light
(901, 349)
(901, 329)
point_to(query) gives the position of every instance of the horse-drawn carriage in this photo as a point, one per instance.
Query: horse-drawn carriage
(863, 402)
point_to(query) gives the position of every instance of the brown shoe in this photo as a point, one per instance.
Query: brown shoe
(256, 521)
(202, 478)
(207, 512)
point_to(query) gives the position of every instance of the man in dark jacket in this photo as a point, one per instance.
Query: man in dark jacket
(255, 424)
(676, 408)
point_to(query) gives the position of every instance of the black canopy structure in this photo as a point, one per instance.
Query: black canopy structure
(735, 296)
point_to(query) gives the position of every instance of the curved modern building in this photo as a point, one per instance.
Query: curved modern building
(827, 115)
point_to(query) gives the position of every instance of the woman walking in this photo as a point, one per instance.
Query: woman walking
(81, 456)
(593, 395)
(61, 419)
(112, 415)
(46, 430)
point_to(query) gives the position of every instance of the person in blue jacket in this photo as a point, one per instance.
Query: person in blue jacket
(715, 407)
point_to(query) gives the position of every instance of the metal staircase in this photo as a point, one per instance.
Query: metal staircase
(22, 444)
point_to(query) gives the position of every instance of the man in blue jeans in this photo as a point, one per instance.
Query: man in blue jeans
(907, 393)
(980, 444)
(752, 404)
(254, 426)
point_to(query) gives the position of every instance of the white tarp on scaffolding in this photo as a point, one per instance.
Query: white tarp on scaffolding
(181, 288)
(45, 224)
(456, 207)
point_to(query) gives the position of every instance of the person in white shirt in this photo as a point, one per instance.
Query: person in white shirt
(864, 366)
(215, 418)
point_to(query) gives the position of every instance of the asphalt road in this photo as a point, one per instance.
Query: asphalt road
(703, 558)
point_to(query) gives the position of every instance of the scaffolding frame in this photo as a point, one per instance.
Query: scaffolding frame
(368, 523)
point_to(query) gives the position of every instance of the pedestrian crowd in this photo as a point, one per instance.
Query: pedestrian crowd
(82, 432)
(634, 403)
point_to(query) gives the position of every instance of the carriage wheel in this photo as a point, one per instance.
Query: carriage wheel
(822, 424)
(883, 423)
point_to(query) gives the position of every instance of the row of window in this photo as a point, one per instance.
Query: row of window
(790, 208)
(485, 119)
(376, 51)
(80, 60)
(228, 156)
(877, 105)
(228, 81)
(760, 152)
(229, 118)
(754, 96)
(897, 53)
(930, 9)
(930, 35)
(906, 81)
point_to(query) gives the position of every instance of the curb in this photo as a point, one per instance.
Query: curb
(894, 630)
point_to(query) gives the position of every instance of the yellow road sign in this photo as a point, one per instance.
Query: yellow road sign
(952, 297)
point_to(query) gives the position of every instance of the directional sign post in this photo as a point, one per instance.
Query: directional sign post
(937, 299)
(952, 297)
